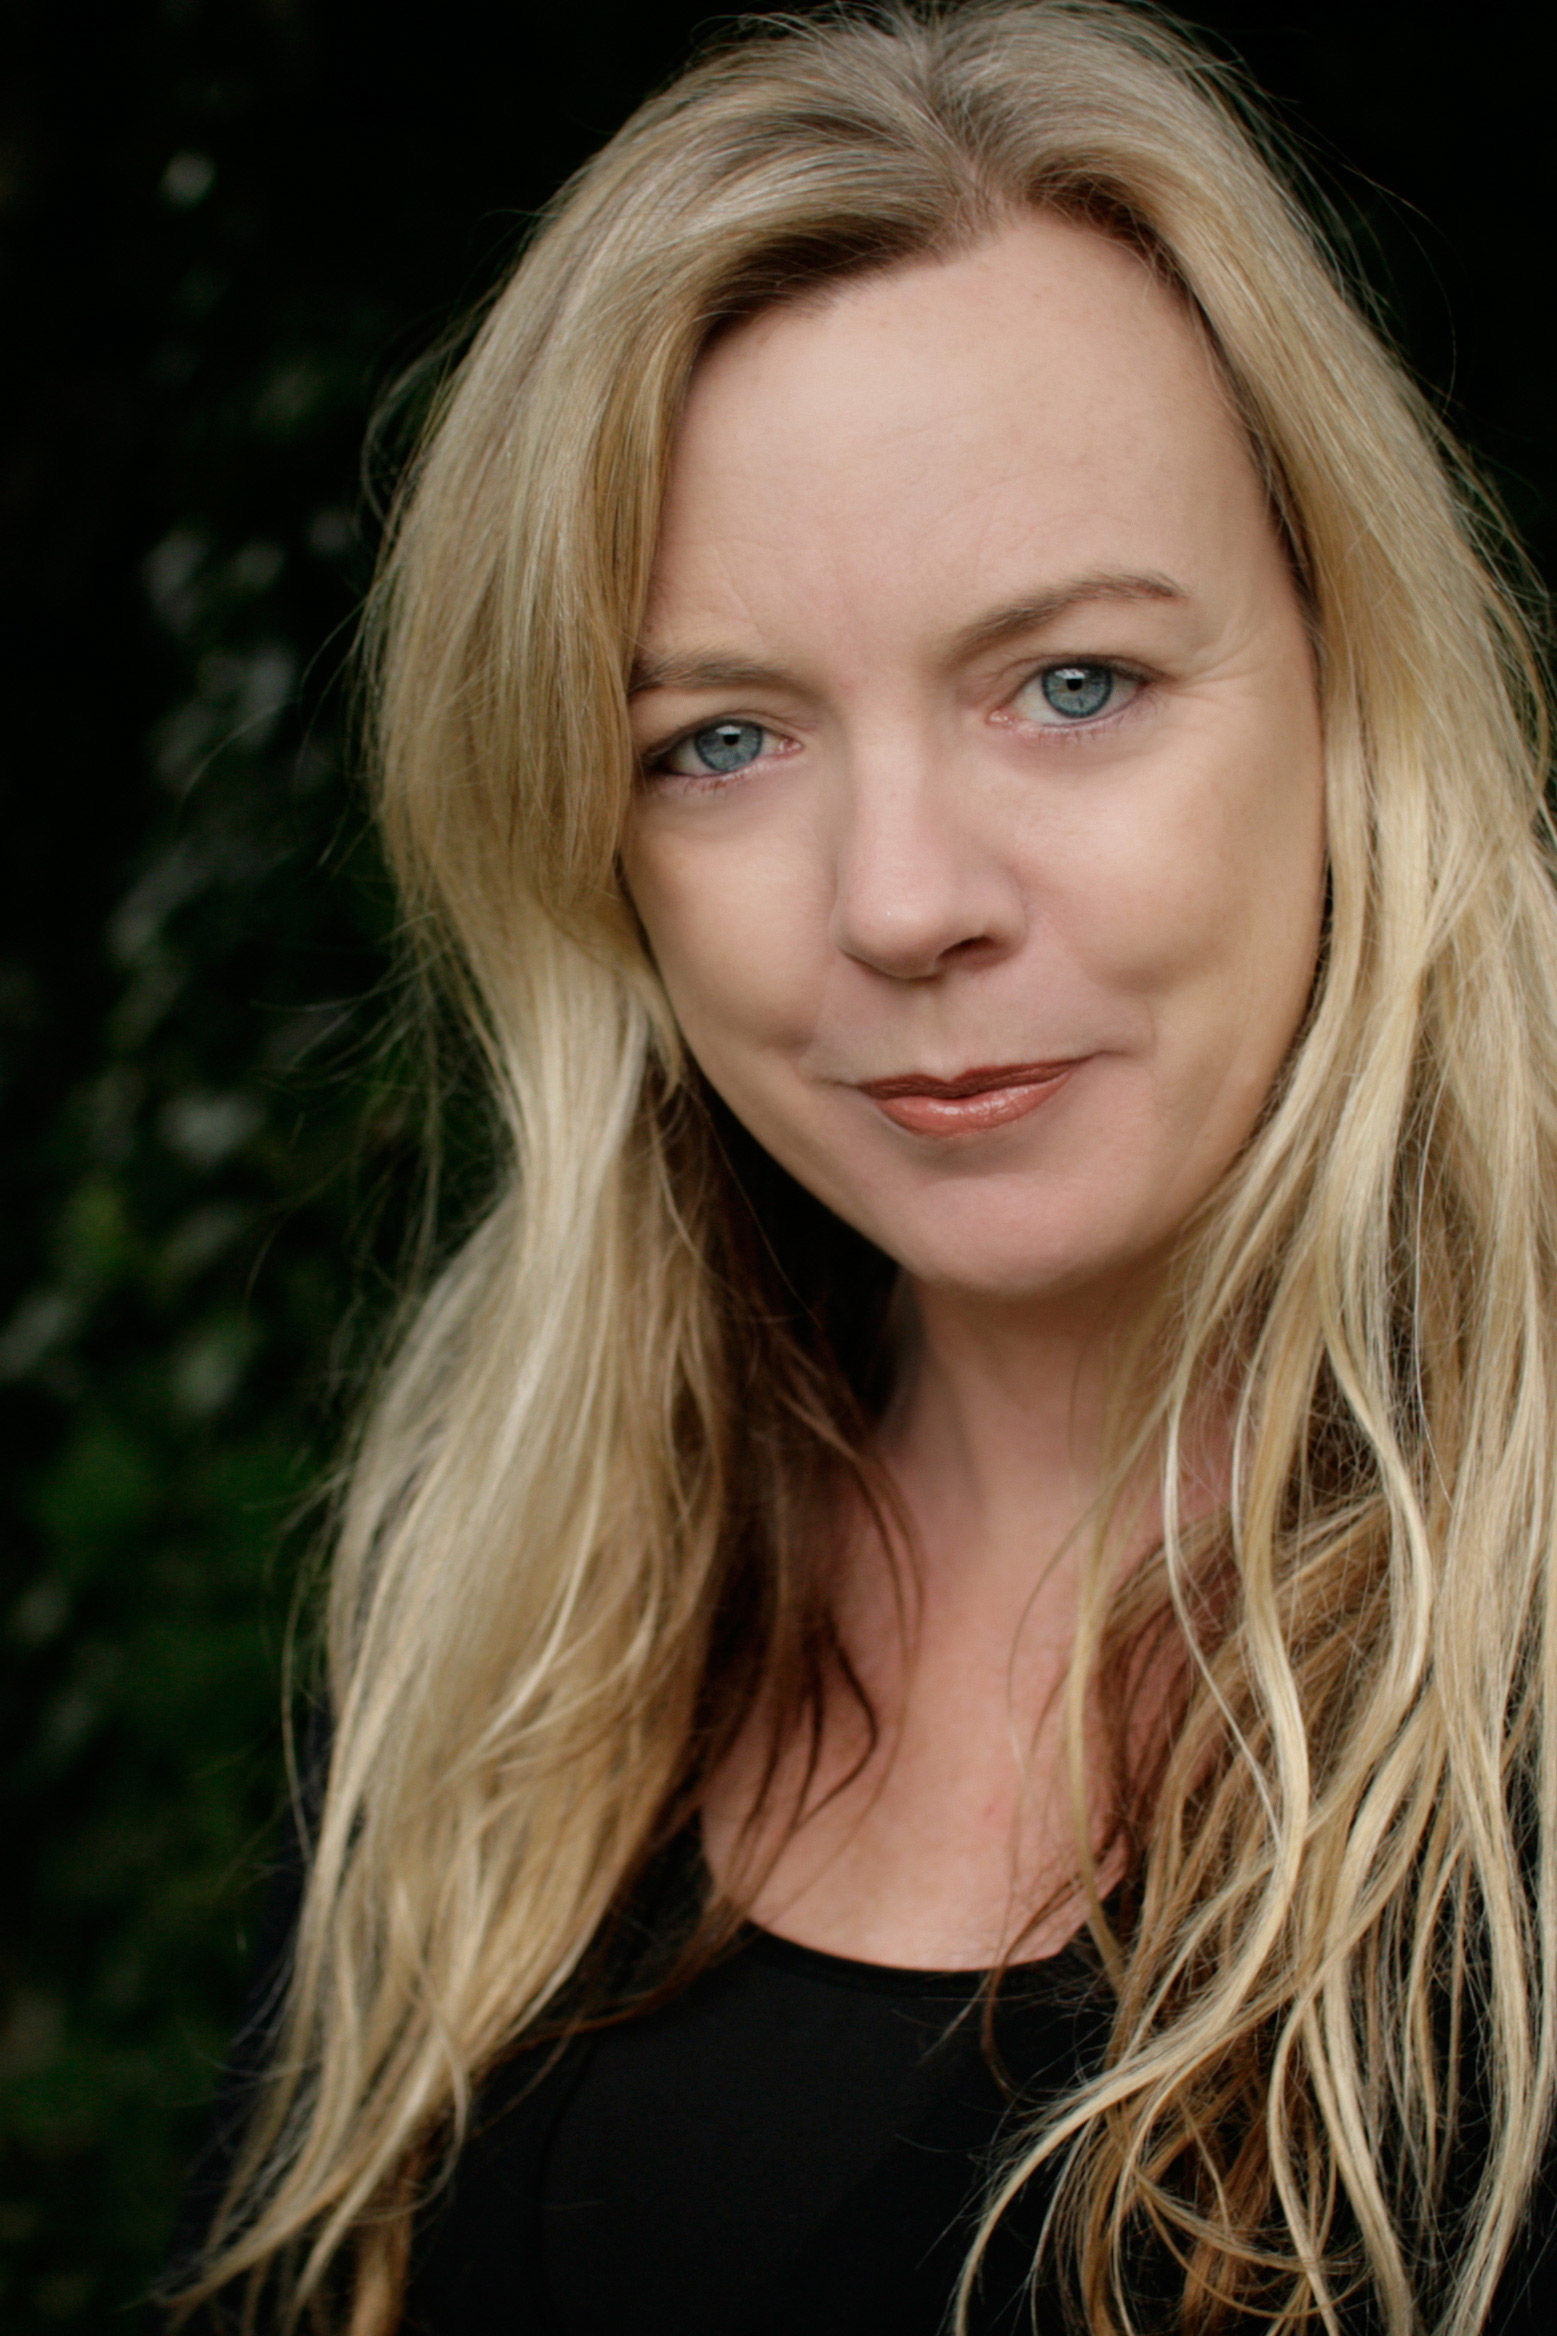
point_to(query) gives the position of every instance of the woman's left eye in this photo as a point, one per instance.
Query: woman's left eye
(1076, 691)
(716, 751)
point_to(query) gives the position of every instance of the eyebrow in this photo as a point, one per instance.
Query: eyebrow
(1034, 610)
(1043, 608)
(702, 673)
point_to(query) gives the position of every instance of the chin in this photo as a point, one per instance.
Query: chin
(1009, 1265)
(1011, 1281)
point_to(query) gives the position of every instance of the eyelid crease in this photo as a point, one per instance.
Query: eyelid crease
(1035, 668)
(657, 749)
(684, 737)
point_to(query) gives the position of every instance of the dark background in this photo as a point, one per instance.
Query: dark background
(227, 227)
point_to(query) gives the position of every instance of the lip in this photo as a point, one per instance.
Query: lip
(987, 1097)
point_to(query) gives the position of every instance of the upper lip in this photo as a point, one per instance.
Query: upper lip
(979, 1081)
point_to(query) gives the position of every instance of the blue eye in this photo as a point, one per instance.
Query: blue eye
(1076, 691)
(722, 747)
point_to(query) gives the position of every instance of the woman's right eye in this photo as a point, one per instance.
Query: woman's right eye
(716, 751)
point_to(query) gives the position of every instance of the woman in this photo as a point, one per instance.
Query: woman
(940, 1645)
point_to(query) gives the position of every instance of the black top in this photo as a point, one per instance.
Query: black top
(793, 2142)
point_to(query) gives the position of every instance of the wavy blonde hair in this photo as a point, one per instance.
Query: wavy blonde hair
(582, 1524)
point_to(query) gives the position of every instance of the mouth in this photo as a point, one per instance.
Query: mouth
(975, 1100)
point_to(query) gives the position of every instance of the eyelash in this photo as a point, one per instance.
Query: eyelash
(1082, 726)
(653, 762)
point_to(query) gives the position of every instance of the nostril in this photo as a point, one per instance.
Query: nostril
(975, 946)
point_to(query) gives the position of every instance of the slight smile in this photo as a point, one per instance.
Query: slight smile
(968, 1104)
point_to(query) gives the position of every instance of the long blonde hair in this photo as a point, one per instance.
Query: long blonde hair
(583, 1525)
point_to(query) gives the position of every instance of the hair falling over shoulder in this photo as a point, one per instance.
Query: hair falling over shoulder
(582, 1525)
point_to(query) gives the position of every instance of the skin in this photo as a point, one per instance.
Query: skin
(891, 511)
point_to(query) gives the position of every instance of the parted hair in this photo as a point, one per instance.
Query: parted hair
(586, 1529)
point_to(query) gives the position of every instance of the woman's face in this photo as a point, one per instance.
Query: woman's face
(980, 841)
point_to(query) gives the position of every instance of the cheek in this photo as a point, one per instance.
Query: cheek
(1217, 874)
(1219, 931)
(734, 937)
(1209, 906)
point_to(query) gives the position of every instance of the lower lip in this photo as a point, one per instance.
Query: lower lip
(959, 1115)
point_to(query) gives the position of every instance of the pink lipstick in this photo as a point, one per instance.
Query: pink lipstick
(968, 1104)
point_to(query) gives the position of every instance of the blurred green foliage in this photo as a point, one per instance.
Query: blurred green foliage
(187, 1075)
(225, 229)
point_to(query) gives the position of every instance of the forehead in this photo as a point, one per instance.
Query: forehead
(1042, 401)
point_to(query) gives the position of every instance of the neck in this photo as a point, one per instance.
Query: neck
(995, 1436)
(932, 1833)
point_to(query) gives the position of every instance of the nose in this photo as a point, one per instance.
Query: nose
(920, 879)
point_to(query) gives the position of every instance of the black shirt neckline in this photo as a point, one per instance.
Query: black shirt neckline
(896, 1979)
